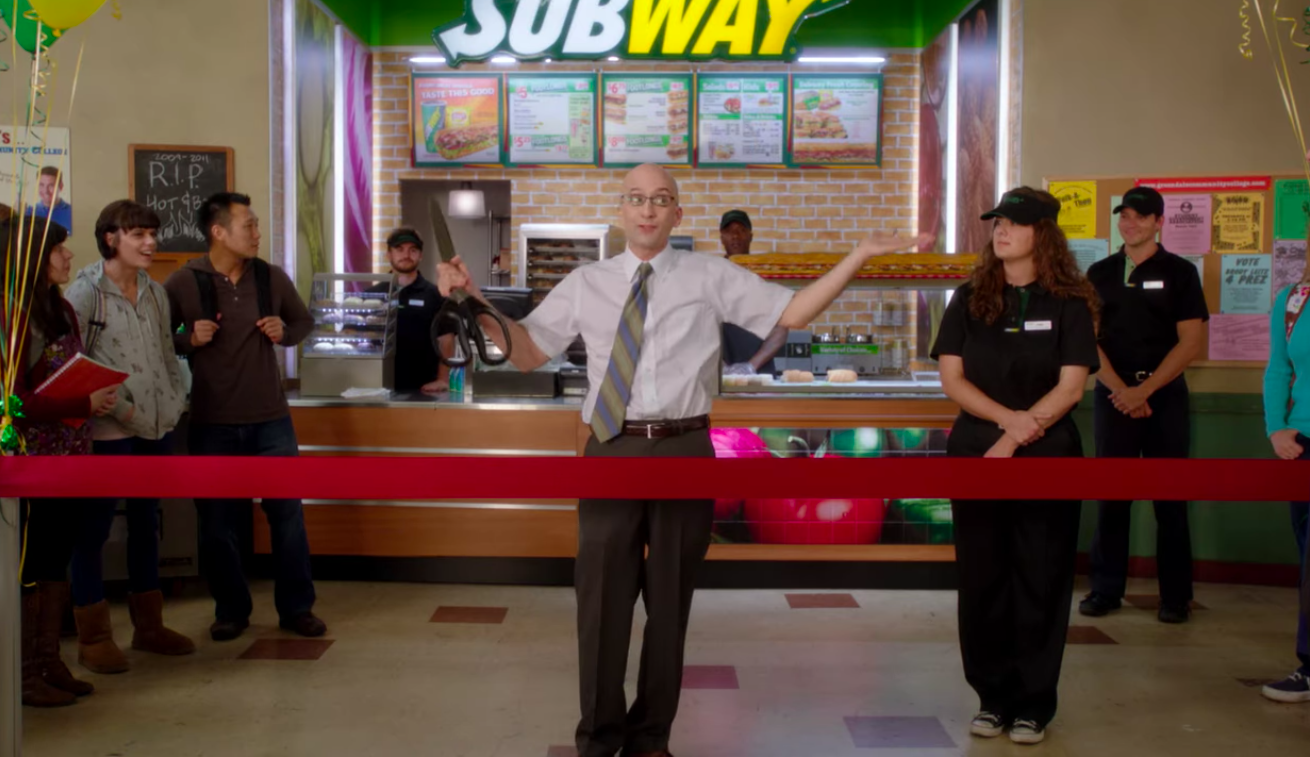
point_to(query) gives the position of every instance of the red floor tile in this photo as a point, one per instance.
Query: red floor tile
(1088, 635)
(490, 615)
(899, 733)
(709, 677)
(562, 751)
(286, 649)
(1151, 603)
(821, 601)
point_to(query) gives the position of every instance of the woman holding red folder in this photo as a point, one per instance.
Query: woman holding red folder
(34, 251)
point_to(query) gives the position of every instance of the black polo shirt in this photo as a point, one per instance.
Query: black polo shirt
(416, 358)
(1017, 360)
(1139, 318)
(740, 345)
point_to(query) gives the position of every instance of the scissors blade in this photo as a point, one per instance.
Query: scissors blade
(440, 231)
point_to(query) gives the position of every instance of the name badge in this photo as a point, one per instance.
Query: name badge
(1036, 325)
(1152, 285)
(417, 303)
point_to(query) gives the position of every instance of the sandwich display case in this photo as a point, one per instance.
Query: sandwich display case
(353, 344)
(549, 251)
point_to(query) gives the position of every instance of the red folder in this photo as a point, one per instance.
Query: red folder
(79, 377)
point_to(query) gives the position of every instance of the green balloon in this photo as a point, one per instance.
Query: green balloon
(24, 28)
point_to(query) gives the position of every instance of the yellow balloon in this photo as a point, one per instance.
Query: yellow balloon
(65, 14)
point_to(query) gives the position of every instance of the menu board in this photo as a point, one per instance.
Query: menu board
(456, 119)
(836, 120)
(552, 119)
(647, 119)
(741, 119)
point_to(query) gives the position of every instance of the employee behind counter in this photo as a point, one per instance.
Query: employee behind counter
(743, 352)
(418, 369)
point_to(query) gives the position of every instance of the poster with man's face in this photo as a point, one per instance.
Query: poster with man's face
(35, 166)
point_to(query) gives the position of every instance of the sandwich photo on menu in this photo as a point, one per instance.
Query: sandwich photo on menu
(678, 103)
(677, 149)
(616, 108)
(677, 125)
(819, 125)
(458, 142)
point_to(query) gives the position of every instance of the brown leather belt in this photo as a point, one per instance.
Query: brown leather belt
(665, 429)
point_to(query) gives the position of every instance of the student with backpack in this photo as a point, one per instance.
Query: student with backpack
(232, 309)
(124, 316)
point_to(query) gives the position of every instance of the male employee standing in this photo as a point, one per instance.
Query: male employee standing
(1151, 329)
(743, 352)
(232, 309)
(650, 318)
(418, 368)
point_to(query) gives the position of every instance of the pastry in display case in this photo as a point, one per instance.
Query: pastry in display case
(353, 344)
(550, 251)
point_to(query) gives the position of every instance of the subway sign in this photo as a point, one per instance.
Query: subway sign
(629, 29)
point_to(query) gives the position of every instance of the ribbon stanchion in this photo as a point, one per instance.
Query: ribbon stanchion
(416, 478)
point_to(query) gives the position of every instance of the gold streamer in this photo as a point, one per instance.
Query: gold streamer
(1244, 47)
(1284, 76)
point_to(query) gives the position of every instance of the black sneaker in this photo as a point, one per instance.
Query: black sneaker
(1293, 689)
(1098, 605)
(227, 630)
(1174, 613)
(988, 725)
(1023, 731)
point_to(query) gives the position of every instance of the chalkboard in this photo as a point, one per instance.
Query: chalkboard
(173, 181)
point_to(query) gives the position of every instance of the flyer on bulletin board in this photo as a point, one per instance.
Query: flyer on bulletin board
(1116, 239)
(1244, 286)
(1291, 209)
(1239, 337)
(1186, 224)
(552, 119)
(1238, 223)
(456, 119)
(1289, 264)
(1077, 208)
(1089, 251)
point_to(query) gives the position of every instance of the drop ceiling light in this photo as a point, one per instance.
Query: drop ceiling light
(467, 202)
(422, 60)
(865, 60)
(504, 59)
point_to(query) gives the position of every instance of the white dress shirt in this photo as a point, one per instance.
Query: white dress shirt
(691, 296)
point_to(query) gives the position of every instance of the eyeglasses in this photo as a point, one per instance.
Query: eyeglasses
(659, 201)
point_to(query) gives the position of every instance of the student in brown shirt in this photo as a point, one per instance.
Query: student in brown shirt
(232, 309)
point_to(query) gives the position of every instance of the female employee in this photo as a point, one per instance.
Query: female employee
(49, 526)
(1287, 422)
(1015, 348)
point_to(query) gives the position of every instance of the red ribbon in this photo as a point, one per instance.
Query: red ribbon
(427, 478)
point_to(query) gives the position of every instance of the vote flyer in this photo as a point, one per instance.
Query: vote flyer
(647, 119)
(742, 120)
(552, 119)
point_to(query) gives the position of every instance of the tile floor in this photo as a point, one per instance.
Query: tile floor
(478, 671)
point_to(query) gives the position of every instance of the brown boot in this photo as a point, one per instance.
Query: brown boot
(36, 692)
(96, 650)
(54, 598)
(150, 635)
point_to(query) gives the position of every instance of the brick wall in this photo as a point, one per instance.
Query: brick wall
(792, 210)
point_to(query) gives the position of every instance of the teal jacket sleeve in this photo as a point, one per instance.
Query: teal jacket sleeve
(1278, 373)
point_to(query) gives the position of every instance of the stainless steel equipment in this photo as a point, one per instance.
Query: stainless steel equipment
(353, 344)
(550, 251)
(795, 355)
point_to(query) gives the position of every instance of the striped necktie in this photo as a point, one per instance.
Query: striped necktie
(615, 391)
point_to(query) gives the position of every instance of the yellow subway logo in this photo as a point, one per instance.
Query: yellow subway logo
(633, 29)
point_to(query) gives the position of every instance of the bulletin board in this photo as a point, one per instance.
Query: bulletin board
(1247, 233)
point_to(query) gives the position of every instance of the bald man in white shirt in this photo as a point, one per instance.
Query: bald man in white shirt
(651, 319)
